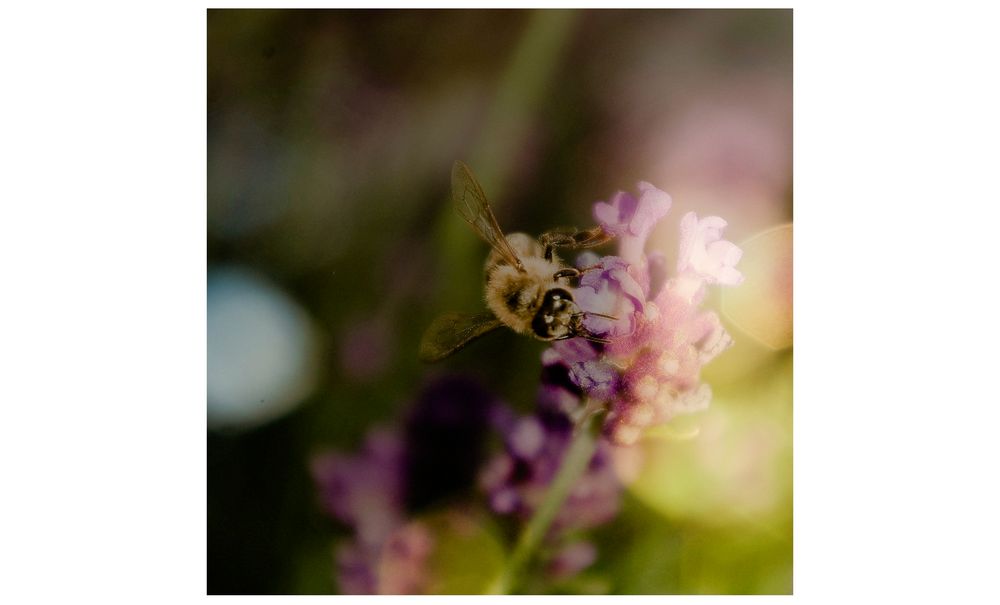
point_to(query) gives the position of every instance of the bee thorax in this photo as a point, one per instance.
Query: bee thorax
(516, 297)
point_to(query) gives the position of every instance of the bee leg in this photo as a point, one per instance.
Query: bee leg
(551, 240)
(573, 272)
(567, 272)
(581, 331)
(573, 238)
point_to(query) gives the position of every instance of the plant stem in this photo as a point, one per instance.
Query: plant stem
(574, 463)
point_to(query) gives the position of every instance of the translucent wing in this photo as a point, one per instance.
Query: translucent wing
(471, 203)
(450, 332)
(572, 238)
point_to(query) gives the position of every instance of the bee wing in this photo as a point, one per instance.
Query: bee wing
(450, 332)
(572, 238)
(471, 203)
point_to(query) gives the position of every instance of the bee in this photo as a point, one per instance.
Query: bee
(527, 286)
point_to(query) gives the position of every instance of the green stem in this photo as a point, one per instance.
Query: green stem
(574, 463)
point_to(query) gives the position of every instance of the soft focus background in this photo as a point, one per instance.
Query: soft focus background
(332, 244)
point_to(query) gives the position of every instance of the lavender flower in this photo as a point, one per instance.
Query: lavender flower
(436, 454)
(571, 559)
(705, 254)
(632, 220)
(395, 565)
(403, 568)
(650, 371)
(356, 568)
(364, 491)
(517, 479)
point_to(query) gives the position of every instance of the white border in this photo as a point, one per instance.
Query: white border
(103, 247)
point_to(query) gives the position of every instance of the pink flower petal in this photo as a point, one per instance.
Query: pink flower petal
(703, 252)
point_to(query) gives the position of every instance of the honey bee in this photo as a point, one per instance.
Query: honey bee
(527, 286)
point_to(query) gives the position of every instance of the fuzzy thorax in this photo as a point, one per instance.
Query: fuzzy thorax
(515, 297)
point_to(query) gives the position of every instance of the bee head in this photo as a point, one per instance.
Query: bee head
(554, 319)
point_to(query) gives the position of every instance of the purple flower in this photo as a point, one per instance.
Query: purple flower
(705, 254)
(663, 376)
(660, 339)
(396, 565)
(612, 287)
(405, 557)
(356, 568)
(631, 219)
(364, 491)
(585, 367)
(516, 480)
(435, 455)
(571, 559)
